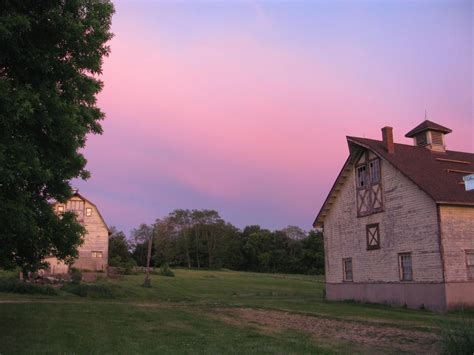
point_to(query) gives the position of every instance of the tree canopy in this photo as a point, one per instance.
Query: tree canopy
(202, 239)
(50, 58)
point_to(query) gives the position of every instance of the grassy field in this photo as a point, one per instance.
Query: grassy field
(212, 312)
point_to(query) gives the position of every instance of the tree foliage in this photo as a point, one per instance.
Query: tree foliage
(201, 238)
(51, 53)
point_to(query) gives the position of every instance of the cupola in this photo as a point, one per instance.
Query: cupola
(430, 135)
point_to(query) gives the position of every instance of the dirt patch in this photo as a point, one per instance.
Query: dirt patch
(331, 330)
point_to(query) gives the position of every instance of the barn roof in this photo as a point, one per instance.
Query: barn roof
(438, 174)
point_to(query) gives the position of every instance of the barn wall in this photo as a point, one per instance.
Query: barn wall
(409, 224)
(96, 239)
(457, 235)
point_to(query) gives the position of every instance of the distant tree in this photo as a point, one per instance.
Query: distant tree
(139, 243)
(51, 53)
(119, 248)
(294, 232)
(313, 253)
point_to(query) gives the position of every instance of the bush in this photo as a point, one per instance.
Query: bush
(76, 276)
(165, 270)
(17, 286)
(98, 290)
(457, 337)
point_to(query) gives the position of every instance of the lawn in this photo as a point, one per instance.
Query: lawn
(211, 312)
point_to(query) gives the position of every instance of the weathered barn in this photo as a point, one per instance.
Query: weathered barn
(93, 253)
(398, 223)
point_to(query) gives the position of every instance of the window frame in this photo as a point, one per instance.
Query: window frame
(88, 212)
(345, 271)
(94, 254)
(379, 171)
(369, 197)
(402, 269)
(366, 177)
(370, 237)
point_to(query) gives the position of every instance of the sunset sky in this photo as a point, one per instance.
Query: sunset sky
(243, 106)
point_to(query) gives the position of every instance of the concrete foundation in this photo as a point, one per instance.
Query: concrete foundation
(414, 295)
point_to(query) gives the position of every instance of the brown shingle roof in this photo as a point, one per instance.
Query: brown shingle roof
(438, 174)
(425, 126)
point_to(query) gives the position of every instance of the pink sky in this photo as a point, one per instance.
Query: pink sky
(244, 106)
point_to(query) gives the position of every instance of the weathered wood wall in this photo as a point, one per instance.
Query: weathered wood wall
(457, 234)
(408, 224)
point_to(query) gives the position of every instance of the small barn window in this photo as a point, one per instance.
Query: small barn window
(470, 264)
(361, 173)
(406, 269)
(97, 254)
(373, 236)
(347, 265)
(374, 168)
(88, 211)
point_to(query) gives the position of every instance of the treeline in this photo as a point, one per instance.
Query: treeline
(202, 239)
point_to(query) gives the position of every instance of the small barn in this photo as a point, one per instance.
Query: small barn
(93, 253)
(398, 223)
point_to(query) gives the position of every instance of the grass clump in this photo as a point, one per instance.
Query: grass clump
(165, 270)
(17, 286)
(96, 290)
(457, 337)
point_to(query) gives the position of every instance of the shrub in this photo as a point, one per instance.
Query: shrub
(17, 286)
(98, 290)
(457, 337)
(76, 276)
(165, 270)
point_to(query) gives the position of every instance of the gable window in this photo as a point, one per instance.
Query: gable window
(369, 187)
(361, 176)
(373, 236)
(406, 269)
(470, 264)
(97, 254)
(374, 169)
(88, 212)
(347, 266)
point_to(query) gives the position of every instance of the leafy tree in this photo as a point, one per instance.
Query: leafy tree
(119, 248)
(51, 53)
(139, 243)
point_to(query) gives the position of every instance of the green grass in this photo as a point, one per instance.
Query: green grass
(177, 315)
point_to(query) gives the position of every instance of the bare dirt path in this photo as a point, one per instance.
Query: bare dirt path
(331, 330)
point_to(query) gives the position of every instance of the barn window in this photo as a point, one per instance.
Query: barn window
(361, 173)
(470, 264)
(373, 236)
(97, 254)
(374, 169)
(88, 211)
(347, 265)
(369, 197)
(406, 269)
